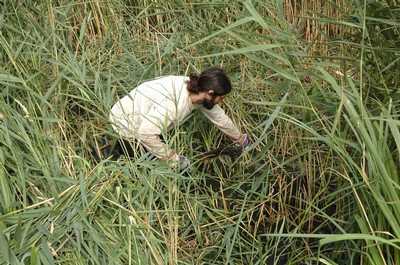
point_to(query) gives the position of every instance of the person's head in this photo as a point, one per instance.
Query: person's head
(213, 83)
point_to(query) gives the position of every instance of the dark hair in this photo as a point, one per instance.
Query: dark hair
(210, 79)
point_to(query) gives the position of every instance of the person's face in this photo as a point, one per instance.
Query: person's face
(211, 100)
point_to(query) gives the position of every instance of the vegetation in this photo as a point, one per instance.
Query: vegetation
(316, 88)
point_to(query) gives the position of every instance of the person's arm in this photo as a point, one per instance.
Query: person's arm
(218, 117)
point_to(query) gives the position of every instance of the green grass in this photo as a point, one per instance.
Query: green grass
(318, 185)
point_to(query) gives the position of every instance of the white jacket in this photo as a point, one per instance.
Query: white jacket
(157, 106)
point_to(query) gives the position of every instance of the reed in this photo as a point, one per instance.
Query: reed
(315, 88)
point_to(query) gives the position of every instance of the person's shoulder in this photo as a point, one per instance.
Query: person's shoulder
(176, 81)
(156, 82)
(180, 78)
(167, 78)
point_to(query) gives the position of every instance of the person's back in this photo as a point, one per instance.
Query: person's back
(166, 95)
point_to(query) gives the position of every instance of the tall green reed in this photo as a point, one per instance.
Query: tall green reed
(305, 176)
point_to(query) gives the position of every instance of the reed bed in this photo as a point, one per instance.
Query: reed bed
(315, 87)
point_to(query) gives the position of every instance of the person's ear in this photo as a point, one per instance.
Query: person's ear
(211, 92)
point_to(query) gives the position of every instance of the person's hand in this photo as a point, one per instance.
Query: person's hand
(183, 162)
(243, 141)
(179, 162)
